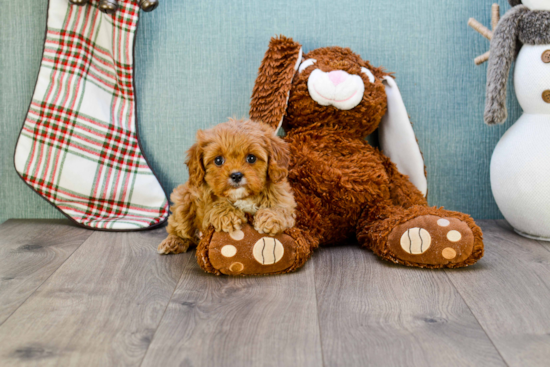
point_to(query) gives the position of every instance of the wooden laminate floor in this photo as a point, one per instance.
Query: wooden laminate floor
(70, 296)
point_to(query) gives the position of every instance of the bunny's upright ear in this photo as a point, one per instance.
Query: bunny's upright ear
(272, 88)
(397, 138)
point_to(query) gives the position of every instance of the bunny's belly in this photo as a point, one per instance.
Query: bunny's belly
(532, 79)
(344, 172)
(341, 174)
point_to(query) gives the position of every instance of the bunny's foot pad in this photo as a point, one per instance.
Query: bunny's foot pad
(432, 240)
(247, 252)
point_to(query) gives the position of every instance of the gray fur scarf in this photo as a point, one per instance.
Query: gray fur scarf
(518, 26)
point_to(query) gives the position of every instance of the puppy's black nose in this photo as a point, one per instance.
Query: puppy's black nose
(236, 177)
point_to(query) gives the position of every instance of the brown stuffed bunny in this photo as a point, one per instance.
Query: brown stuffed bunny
(328, 101)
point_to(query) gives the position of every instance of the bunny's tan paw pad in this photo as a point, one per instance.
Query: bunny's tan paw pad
(432, 240)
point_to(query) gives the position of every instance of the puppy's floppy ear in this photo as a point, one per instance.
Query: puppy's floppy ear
(272, 87)
(194, 161)
(397, 138)
(279, 158)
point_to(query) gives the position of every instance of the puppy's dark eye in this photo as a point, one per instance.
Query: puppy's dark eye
(251, 158)
(218, 161)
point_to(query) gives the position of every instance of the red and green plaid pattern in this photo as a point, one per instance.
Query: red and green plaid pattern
(78, 147)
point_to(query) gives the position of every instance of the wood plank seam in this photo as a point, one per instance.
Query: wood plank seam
(505, 241)
(475, 317)
(545, 245)
(115, 286)
(47, 278)
(507, 227)
(166, 308)
(239, 321)
(312, 263)
(408, 320)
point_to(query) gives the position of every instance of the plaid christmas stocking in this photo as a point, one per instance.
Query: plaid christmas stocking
(79, 147)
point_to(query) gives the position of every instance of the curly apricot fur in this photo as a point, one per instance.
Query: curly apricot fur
(209, 198)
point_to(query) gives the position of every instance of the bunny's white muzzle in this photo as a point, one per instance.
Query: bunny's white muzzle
(336, 88)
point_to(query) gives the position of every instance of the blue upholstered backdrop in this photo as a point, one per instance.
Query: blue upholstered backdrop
(196, 62)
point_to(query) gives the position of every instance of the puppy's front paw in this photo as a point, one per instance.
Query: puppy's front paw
(173, 245)
(228, 222)
(270, 223)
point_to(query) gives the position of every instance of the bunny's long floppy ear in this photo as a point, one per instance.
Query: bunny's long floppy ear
(397, 138)
(272, 88)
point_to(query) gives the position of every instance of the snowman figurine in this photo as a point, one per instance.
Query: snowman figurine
(520, 167)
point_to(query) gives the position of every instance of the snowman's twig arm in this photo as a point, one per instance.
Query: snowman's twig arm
(504, 47)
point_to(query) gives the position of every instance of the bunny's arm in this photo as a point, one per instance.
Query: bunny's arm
(504, 48)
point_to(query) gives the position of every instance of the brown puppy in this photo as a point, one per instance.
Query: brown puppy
(235, 168)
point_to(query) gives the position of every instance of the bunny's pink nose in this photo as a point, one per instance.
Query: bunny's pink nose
(337, 76)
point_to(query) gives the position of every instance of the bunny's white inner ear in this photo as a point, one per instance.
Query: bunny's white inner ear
(299, 61)
(296, 66)
(397, 138)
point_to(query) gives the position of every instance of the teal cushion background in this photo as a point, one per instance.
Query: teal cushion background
(196, 62)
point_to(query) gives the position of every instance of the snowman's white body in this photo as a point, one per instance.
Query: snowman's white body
(520, 167)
